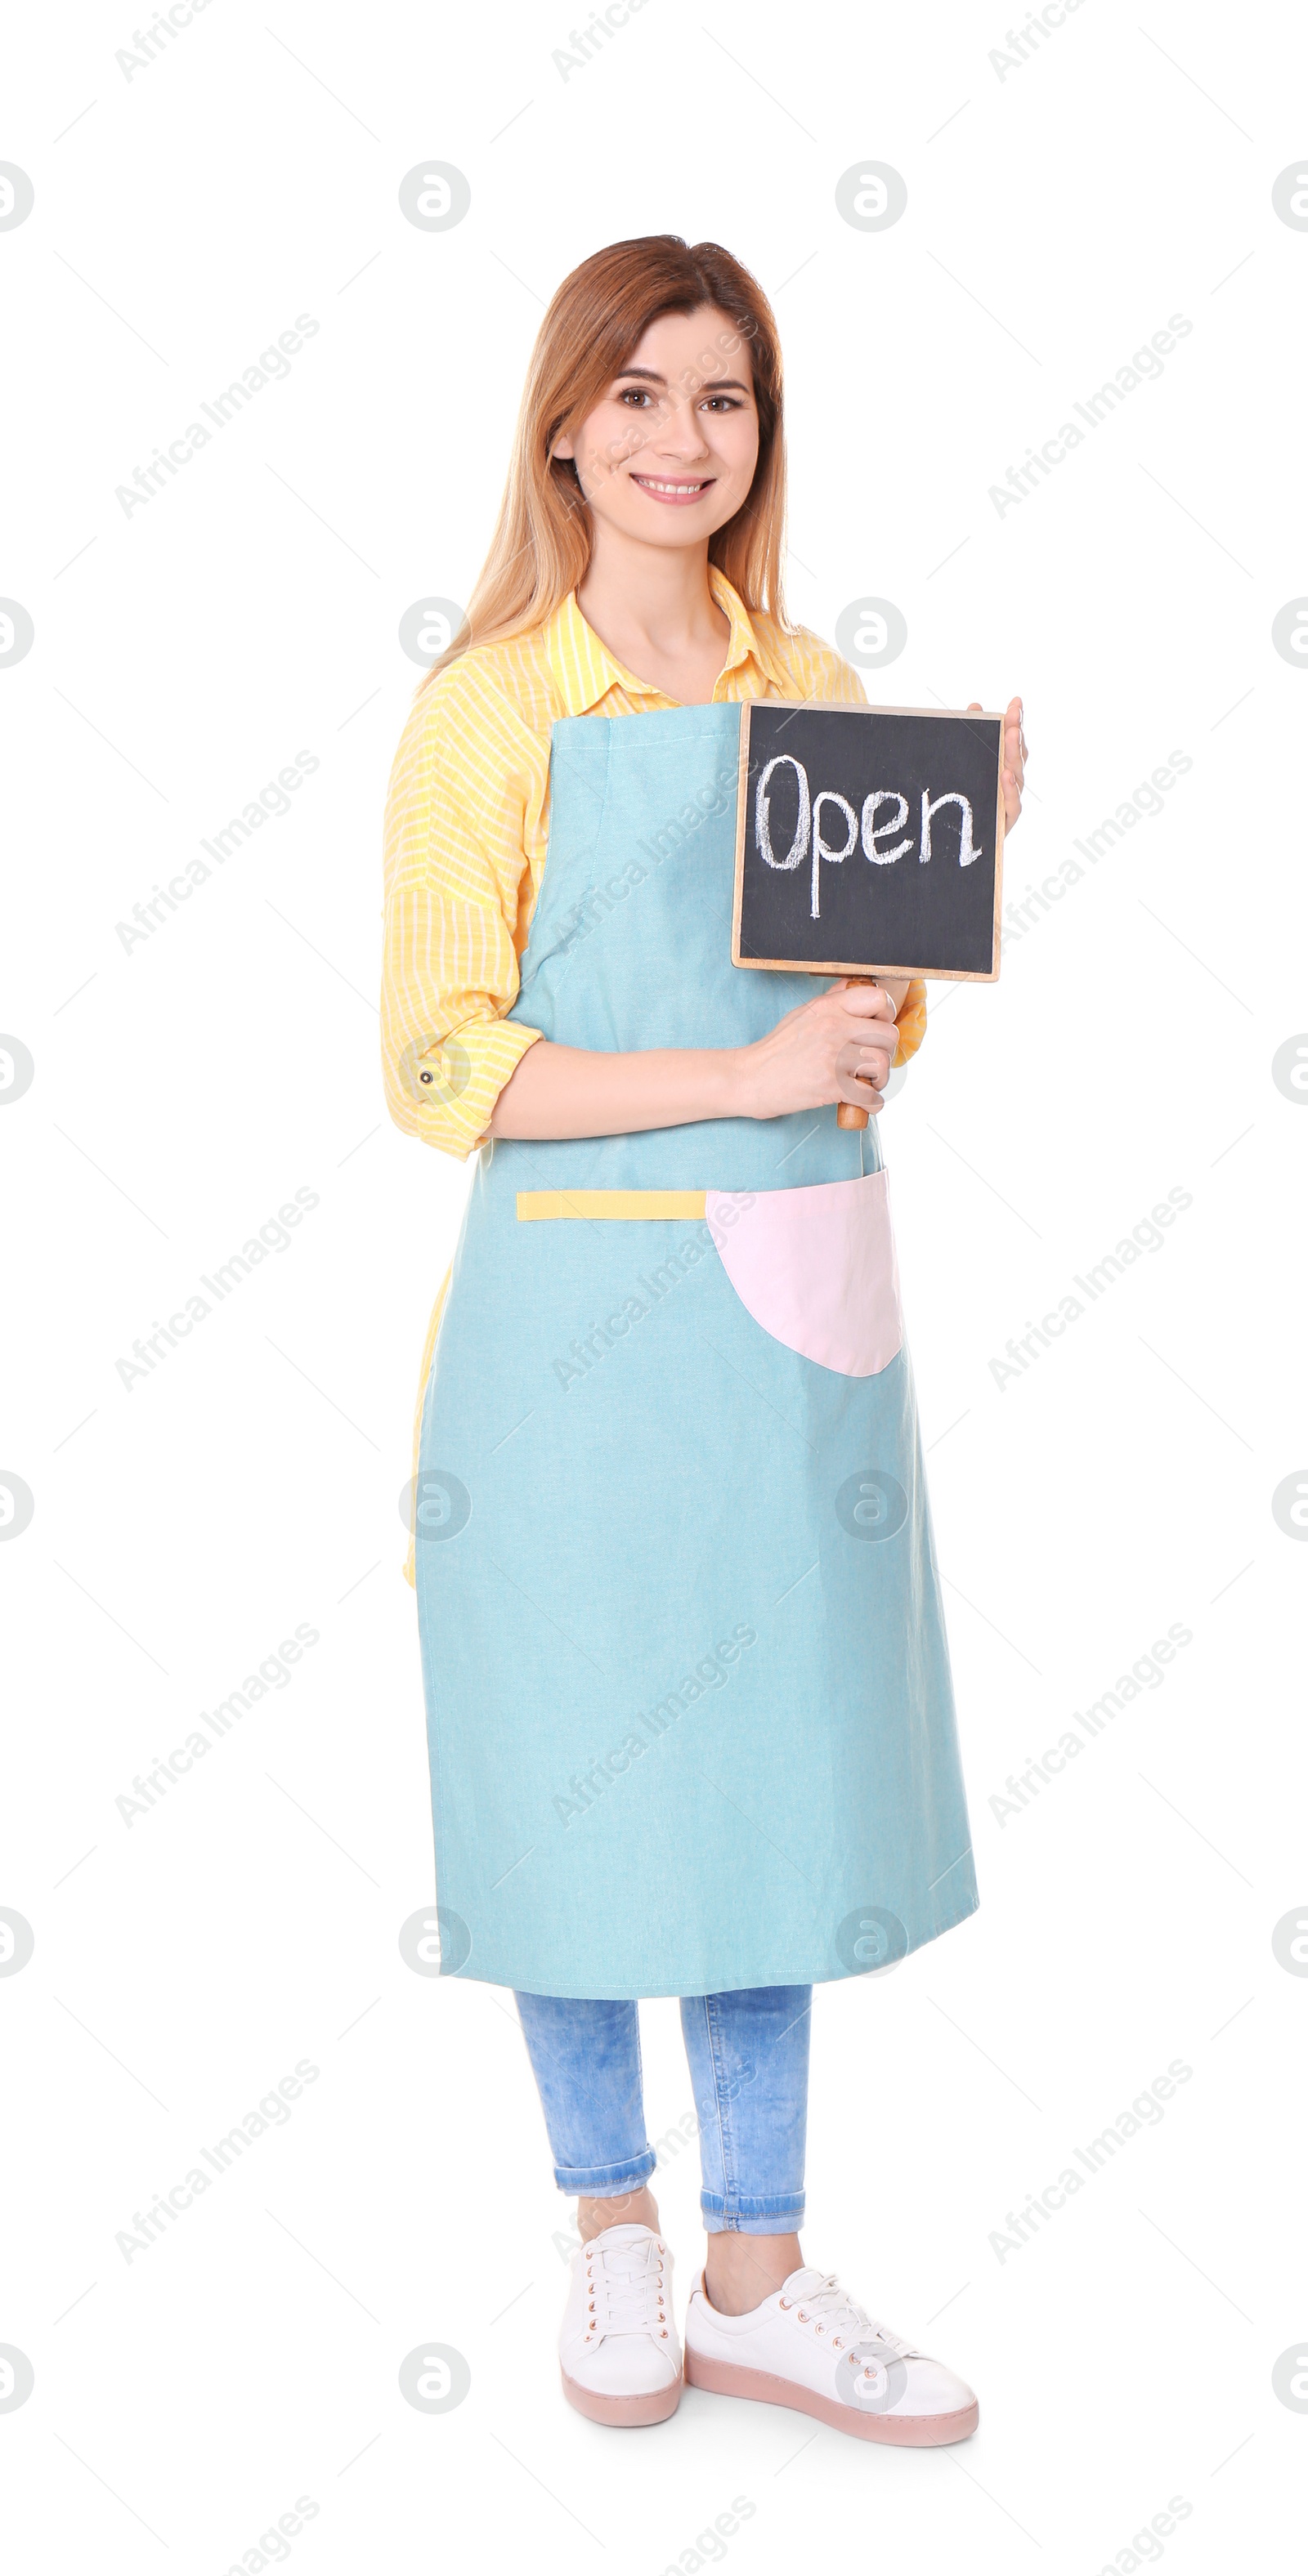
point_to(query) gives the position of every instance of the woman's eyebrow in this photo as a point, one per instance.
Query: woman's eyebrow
(719, 384)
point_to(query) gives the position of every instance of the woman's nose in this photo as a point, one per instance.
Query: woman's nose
(675, 431)
(681, 436)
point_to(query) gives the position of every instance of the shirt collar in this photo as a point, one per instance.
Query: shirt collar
(586, 671)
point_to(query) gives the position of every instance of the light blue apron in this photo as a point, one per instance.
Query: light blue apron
(689, 1707)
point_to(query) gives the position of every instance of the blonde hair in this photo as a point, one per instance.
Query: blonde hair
(542, 543)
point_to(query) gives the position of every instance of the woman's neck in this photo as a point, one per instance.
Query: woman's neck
(653, 608)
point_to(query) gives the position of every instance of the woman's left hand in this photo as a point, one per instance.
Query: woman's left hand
(1014, 760)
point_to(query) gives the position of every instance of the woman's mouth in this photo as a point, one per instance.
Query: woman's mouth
(678, 492)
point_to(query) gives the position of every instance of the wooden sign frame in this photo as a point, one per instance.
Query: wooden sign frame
(846, 966)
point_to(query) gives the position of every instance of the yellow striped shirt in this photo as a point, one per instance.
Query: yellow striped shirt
(467, 822)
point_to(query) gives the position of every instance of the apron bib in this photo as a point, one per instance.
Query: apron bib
(689, 1708)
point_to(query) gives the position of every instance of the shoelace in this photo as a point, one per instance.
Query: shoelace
(624, 2289)
(830, 2308)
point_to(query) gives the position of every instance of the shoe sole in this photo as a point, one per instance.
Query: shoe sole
(652, 2407)
(909, 2432)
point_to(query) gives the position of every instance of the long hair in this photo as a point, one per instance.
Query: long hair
(542, 543)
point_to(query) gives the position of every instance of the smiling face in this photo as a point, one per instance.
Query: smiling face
(668, 454)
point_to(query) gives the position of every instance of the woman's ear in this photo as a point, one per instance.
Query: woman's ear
(563, 451)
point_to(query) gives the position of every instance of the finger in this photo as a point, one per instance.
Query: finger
(864, 1038)
(871, 1066)
(868, 1001)
(860, 1095)
(867, 1053)
(1014, 759)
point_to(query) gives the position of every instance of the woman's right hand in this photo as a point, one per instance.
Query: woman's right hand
(817, 1052)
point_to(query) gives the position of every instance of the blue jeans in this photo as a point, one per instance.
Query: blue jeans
(748, 2056)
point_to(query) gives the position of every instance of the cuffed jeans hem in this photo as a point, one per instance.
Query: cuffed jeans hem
(603, 2182)
(780, 2214)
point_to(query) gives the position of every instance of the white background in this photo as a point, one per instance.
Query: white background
(185, 1088)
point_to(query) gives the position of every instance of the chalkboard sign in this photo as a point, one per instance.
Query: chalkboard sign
(869, 841)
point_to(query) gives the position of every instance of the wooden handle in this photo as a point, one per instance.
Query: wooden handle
(846, 1114)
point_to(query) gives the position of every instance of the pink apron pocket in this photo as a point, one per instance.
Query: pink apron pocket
(815, 1268)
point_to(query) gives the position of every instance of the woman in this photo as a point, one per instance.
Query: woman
(690, 1734)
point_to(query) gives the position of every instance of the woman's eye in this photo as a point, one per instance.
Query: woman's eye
(722, 402)
(633, 394)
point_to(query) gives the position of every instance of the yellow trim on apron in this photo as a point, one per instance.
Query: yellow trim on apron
(609, 1203)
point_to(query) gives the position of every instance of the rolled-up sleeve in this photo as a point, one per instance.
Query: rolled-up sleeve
(911, 1021)
(463, 813)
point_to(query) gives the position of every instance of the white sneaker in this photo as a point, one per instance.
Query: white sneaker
(618, 2348)
(812, 2347)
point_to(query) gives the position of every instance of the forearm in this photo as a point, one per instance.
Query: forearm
(836, 1047)
(559, 1091)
